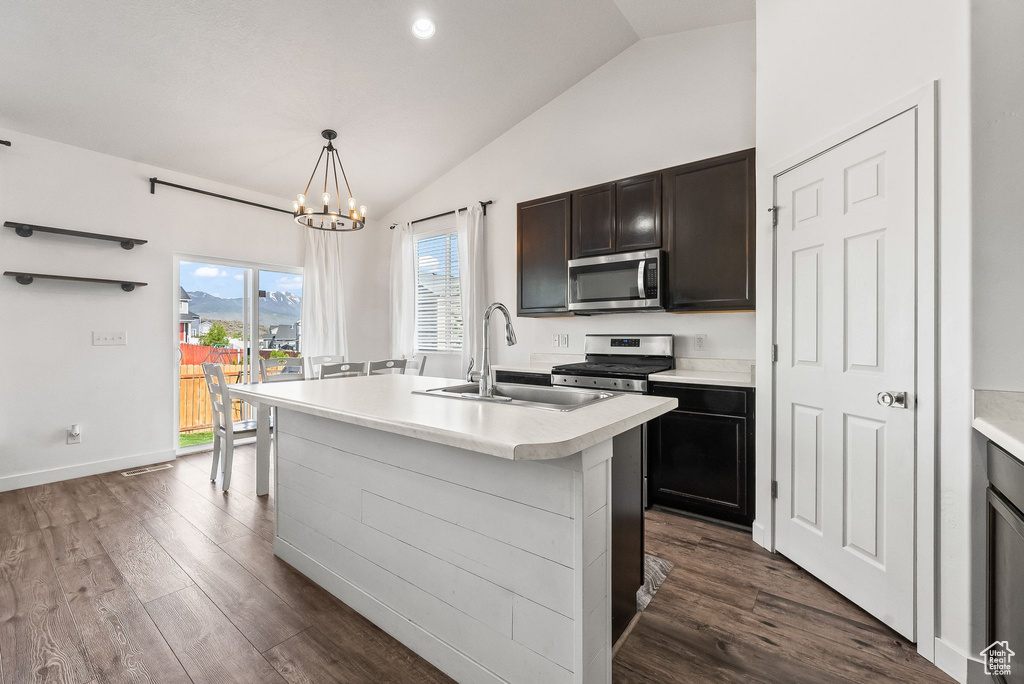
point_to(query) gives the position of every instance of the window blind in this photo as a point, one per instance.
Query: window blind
(438, 294)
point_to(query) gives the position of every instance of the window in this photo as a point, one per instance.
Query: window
(438, 294)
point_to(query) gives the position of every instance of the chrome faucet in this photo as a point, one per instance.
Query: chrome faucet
(483, 376)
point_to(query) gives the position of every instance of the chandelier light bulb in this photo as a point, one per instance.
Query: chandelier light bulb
(295, 206)
(302, 200)
(327, 198)
(362, 211)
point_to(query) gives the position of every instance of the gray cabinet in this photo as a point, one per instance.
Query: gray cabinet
(1005, 503)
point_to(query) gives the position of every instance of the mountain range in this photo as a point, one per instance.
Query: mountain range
(275, 307)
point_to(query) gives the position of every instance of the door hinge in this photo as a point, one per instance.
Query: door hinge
(775, 353)
(775, 489)
(774, 211)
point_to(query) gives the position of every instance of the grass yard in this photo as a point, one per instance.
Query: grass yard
(187, 439)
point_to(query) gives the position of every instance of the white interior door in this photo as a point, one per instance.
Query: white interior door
(845, 329)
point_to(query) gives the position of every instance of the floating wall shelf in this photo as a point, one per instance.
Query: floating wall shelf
(27, 278)
(26, 230)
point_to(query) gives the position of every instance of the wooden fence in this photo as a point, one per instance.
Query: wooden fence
(194, 411)
(195, 354)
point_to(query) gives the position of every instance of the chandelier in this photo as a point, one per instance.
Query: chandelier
(324, 217)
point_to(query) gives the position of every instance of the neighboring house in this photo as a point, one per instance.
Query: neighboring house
(186, 320)
(284, 336)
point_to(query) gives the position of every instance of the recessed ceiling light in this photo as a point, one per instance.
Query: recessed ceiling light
(423, 28)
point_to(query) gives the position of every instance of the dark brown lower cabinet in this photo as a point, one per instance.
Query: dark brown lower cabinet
(700, 456)
(1006, 558)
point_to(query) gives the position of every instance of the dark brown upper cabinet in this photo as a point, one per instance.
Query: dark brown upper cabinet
(621, 216)
(543, 247)
(638, 213)
(593, 221)
(708, 221)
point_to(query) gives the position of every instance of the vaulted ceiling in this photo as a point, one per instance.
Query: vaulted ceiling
(238, 91)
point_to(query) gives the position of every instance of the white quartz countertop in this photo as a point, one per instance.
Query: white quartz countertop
(386, 402)
(704, 377)
(1000, 417)
(1007, 433)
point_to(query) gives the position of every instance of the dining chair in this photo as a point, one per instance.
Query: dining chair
(225, 429)
(415, 364)
(316, 361)
(342, 370)
(283, 369)
(387, 367)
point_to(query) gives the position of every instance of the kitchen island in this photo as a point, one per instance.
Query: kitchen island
(477, 534)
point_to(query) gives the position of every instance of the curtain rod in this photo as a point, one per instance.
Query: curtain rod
(153, 182)
(483, 205)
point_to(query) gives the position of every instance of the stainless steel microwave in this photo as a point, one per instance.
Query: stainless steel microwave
(616, 282)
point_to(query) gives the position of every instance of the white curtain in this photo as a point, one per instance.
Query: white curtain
(470, 228)
(403, 284)
(323, 296)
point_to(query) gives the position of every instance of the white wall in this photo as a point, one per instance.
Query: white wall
(997, 66)
(661, 102)
(51, 375)
(821, 68)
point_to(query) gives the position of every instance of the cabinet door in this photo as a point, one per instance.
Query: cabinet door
(593, 221)
(543, 252)
(638, 213)
(708, 215)
(1005, 579)
(699, 462)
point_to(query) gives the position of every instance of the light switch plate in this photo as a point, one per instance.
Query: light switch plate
(563, 340)
(109, 339)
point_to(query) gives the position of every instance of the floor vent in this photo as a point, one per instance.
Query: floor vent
(147, 469)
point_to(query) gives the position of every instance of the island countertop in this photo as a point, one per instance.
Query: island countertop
(387, 403)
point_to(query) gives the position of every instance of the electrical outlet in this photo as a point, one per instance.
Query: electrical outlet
(554, 340)
(699, 342)
(109, 339)
(75, 434)
(563, 340)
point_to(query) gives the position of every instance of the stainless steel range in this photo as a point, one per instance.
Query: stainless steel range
(617, 362)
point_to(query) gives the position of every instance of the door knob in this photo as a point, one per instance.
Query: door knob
(893, 399)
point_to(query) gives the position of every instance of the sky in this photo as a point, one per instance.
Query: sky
(227, 281)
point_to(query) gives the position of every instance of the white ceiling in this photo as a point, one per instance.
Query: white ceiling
(650, 18)
(238, 91)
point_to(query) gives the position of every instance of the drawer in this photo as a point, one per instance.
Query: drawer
(1006, 474)
(736, 402)
(520, 378)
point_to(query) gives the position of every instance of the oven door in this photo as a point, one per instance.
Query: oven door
(616, 282)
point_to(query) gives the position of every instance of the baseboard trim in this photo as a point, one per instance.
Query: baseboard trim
(958, 665)
(39, 477)
(757, 533)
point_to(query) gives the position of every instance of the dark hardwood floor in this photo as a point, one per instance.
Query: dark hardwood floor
(162, 577)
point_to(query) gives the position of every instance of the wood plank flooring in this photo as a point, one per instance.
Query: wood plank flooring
(162, 577)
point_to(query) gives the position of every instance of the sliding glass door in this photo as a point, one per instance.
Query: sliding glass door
(233, 314)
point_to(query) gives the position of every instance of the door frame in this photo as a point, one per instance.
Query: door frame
(923, 102)
(251, 286)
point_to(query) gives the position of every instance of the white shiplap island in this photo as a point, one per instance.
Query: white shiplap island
(477, 534)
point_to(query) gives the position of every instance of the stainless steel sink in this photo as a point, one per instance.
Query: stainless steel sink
(548, 398)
